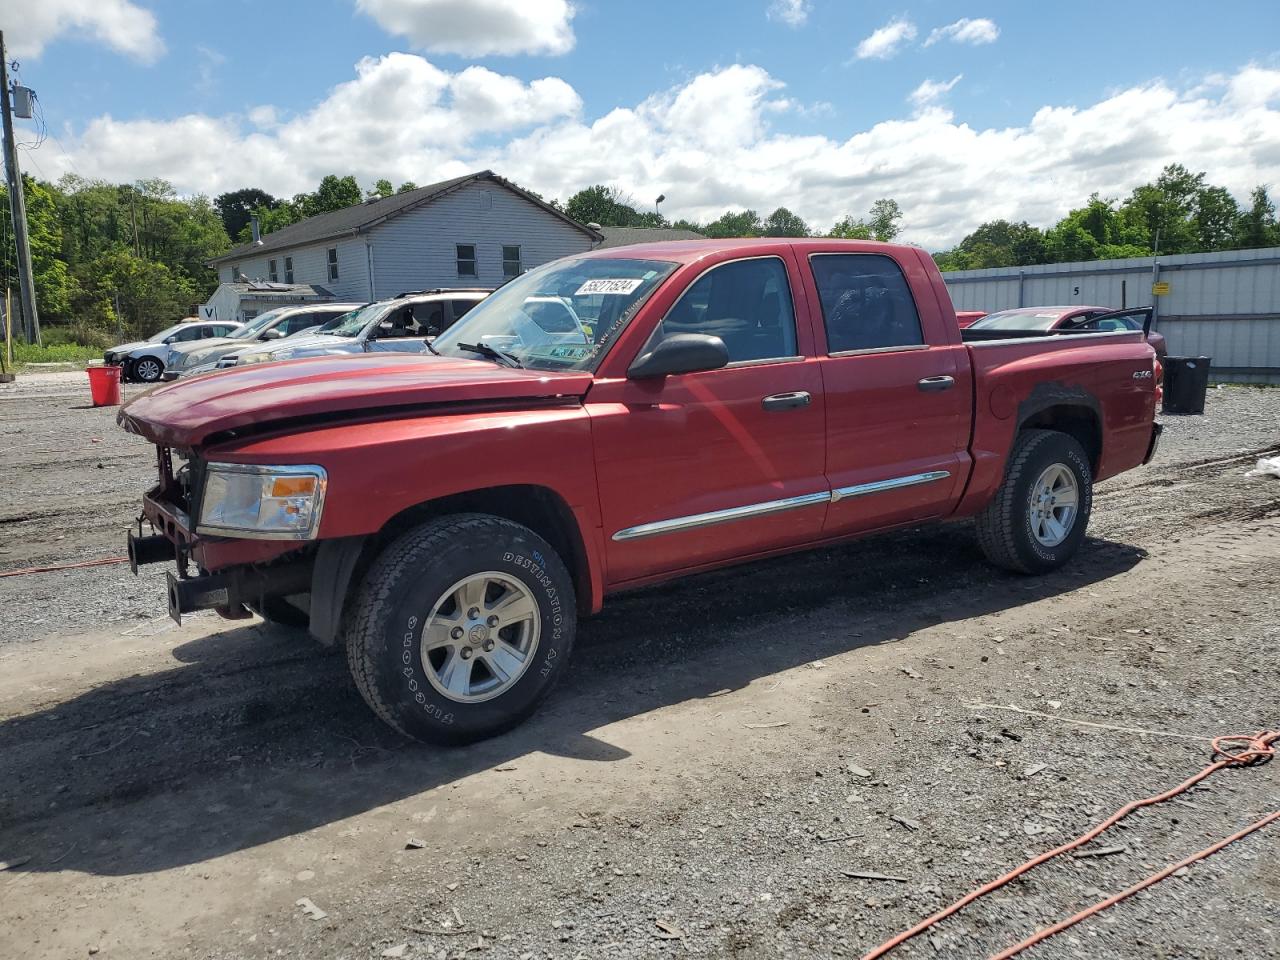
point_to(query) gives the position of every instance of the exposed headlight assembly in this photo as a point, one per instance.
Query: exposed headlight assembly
(255, 357)
(262, 503)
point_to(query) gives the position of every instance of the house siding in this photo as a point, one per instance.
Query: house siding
(311, 265)
(416, 250)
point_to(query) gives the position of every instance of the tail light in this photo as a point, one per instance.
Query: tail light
(1157, 373)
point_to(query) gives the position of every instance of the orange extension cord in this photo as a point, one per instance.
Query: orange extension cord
(27, 571)
(1256, 748)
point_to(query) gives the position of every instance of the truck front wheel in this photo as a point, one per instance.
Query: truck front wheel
(1038, 517)
(461, 628)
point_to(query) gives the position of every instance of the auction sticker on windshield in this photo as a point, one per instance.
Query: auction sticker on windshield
(606, 285)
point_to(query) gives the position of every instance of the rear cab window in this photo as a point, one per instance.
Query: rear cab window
(866, 303)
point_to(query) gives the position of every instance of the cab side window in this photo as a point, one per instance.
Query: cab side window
(747, 304)
(866, 303)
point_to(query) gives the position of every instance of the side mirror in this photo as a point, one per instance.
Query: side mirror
(169, 340)
(272, 334)
(681, 353)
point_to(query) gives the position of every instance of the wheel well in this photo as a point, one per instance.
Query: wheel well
(540, 509)
(1075, 421)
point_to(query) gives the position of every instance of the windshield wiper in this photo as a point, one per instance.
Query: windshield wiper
(493, 353)
(431, 347)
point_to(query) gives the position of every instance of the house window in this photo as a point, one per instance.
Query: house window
(466, 259)
(511, 261)
(333, 263)
(271, 271)
(288, 269)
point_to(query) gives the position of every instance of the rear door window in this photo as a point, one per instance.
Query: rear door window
(746, 303)
(866, 302)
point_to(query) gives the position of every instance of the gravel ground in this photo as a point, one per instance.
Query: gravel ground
(709, 778)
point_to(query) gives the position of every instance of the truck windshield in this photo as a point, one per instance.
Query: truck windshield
(1029, 319)
(561, 316)
(352, 323)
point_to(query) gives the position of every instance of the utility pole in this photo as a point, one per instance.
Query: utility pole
(17, 206)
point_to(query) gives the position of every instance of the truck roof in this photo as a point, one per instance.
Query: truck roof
(689, 251)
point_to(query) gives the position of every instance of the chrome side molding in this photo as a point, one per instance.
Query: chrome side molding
(880, 486)
(774, 506)
(721, 516)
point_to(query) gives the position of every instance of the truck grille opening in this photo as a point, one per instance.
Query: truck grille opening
(180, 476)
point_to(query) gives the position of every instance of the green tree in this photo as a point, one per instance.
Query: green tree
(1256, 226)
(1214, 218)
(381, 188)
(334, 193)
(885, 215)
(745, 223)
(55, 287)
(604, 205)
(237, 206)
(851, 228)
(406, 187)
(783, 223)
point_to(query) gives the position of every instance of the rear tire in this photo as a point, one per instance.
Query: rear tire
(461, 628)
(1038, 517)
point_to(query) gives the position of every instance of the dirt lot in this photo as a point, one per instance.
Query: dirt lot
(178, 790)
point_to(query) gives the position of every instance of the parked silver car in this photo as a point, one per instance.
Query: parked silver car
(401, 325)
(144, 359)
(267, 327)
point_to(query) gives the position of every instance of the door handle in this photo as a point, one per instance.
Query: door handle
(786, 401)
(933, 384)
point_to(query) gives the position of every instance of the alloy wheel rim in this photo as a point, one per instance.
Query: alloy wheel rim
(480, 637)
(148, 370)
(1055, 503)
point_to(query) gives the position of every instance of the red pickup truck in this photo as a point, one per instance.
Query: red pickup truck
(610, 420)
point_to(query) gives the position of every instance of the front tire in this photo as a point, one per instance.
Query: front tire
(147, 369)
(1037, 519)
(461, 628)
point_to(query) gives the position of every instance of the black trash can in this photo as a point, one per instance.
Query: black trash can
(1185, 381)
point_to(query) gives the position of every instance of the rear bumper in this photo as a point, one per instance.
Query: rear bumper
(1156, 430)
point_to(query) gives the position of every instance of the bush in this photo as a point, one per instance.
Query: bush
(79, 334)
(59, 353)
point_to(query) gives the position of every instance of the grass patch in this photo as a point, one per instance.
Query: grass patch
(24, 353)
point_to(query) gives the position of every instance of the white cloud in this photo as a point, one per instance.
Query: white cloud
(965, 30)
(794, 13)
(930, 91)
(708, 144)
(30, 25)
(885, 42)
(478, 28)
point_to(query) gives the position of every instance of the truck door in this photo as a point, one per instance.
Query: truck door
(701, 467)
(898, 392)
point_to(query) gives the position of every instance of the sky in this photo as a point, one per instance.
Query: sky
(961, 110)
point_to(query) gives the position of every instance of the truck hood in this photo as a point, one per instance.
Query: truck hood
(186, 413)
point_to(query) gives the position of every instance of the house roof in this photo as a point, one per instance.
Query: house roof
(263, 290)
(359, 217)
(625, 236)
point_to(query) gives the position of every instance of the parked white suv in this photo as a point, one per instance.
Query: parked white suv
(144, 359)
(266, 328)
(404, 324)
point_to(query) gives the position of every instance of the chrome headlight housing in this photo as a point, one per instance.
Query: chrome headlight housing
(262, 502)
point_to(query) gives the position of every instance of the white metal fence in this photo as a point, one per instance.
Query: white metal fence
(1220, 305)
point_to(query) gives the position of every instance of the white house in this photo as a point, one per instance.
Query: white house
(474, 231)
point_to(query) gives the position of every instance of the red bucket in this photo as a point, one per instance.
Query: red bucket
(104, 386)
